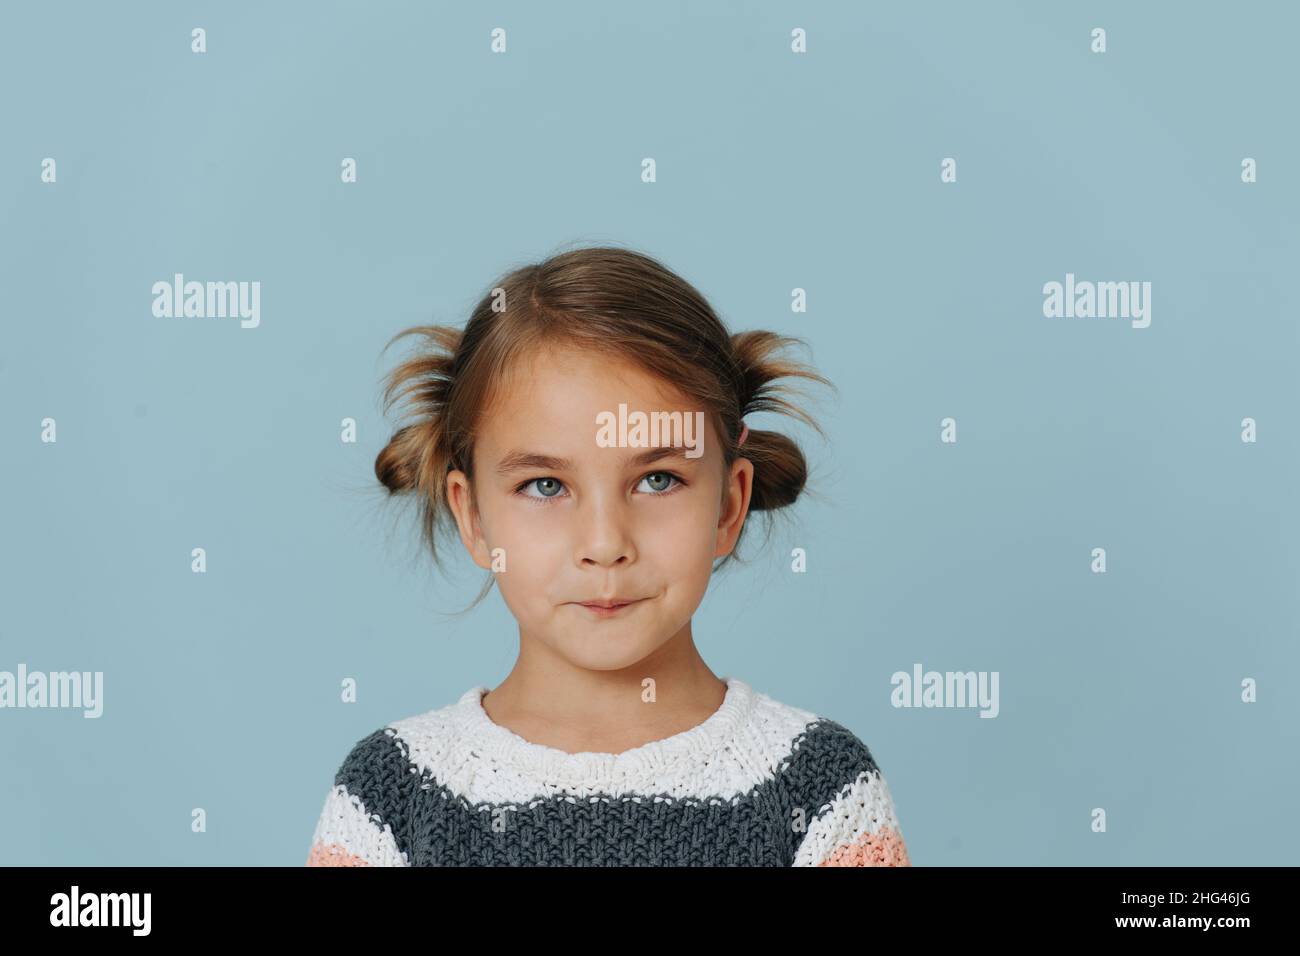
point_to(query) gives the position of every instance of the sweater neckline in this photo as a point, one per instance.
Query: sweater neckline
(587, 767)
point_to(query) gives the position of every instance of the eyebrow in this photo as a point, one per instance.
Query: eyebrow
(521, 460)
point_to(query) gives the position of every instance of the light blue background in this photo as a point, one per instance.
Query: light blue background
(775, 171)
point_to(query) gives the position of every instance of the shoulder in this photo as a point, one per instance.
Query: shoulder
(825, 756)
(375, 767)
(811, 754)
(367, 816)
(383, 768)
(814, 750)
(388, 757)
(836, 799)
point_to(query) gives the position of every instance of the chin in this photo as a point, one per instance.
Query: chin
(606, 649)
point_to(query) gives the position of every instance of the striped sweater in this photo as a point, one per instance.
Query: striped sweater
(758, 783)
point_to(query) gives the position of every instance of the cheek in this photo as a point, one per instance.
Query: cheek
(529, 555)
(681, 539)
(681, 552)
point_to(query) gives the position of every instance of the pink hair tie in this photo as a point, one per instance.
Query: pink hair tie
(744, 433)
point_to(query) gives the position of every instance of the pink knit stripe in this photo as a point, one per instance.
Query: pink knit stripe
(882, 848)
(332, 854)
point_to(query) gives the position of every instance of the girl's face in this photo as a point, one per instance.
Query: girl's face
(563, 520)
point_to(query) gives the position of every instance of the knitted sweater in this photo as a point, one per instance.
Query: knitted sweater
(758, 783)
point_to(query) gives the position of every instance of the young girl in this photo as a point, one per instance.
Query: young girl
(585, 434)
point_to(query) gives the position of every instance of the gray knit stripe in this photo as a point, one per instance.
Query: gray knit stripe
(379, 772)
(595, 831)
(436, 827)
(827, 758)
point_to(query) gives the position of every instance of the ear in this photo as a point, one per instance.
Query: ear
(736, 494)
(460, 498)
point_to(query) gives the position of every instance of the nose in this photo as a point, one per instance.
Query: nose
(605, 536)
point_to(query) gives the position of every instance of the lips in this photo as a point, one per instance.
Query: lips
(607, 608)
(610, 603)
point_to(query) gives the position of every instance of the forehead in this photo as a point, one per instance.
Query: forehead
(570, 386)
(549, 403)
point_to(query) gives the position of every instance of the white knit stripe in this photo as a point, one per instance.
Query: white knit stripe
(440, 744)
(863, 807)
(345, 823)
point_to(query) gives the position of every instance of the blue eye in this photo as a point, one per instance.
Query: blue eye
(667, 477)
(549, 482)
(549, 488)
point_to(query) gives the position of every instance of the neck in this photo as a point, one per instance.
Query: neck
(549, 700)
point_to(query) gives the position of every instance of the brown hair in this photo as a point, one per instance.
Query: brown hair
(606, 299)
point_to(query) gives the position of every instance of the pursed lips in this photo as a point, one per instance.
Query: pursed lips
(608, 607)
